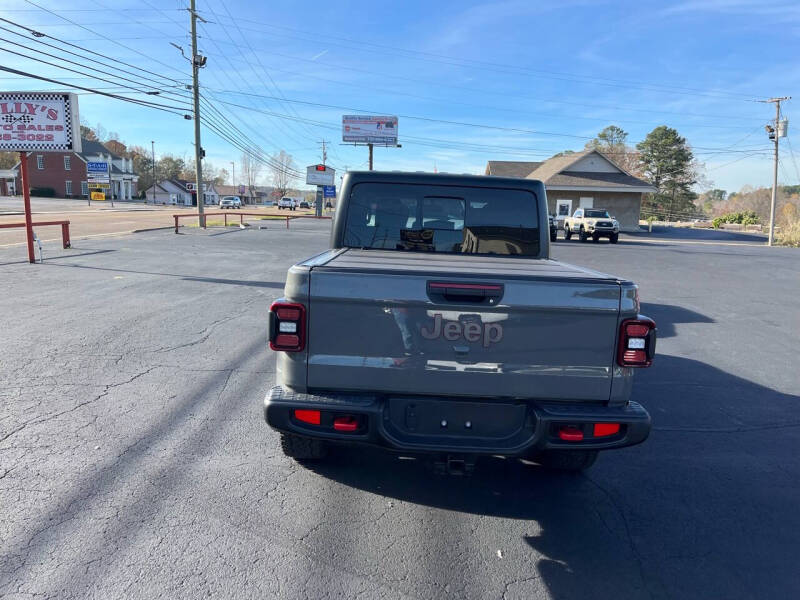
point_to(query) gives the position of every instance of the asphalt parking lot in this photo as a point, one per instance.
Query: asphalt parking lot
(135, 463)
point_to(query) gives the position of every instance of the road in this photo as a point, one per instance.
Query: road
(101, 219)
(135, 462)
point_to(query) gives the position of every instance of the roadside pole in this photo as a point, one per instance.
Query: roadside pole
(153, 148)
(26, 195)
(776, 133)
(370, 156)
(198, 150)
(774, 177)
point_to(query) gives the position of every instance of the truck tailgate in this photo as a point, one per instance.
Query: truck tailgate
(460, 325)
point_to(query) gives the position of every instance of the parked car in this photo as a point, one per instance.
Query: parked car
(428, 328)
(553, 228)
(592, 223)
(288, 203)
(304, 204)
(230, 202)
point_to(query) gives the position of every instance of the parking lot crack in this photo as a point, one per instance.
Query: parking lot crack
(628, 537)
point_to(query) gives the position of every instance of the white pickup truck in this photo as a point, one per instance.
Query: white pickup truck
(288, 202)
(592, 223)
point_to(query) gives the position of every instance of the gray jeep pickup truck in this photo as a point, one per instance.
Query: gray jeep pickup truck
(438, 324)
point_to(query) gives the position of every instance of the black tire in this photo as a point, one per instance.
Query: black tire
(613, 238)
(303, 448)
(571, 461)
(595, 237)
(582, 234)
(567, 232)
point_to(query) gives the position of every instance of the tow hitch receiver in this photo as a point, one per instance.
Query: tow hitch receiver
(454, 464)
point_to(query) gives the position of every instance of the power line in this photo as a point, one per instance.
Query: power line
(67, 60)
(489, 91)
(288, 132)
(507, 69)
(253, 148)
(155, 105)
(113, 41)
(290, 108)
(450, 102)
(38, 34)
(794, 161)
(434, 120)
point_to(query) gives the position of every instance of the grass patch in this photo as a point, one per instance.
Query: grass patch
(789, 235)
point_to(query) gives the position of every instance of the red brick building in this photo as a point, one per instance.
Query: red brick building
(65, 172)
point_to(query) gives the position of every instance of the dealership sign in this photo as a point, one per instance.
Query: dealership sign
(361, 129)
(320, 175)
(40, 121)
(97, 172)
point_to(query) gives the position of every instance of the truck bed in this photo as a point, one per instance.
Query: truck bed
(456, 265)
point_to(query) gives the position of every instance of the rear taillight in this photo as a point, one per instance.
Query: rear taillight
(637, 343)
(287, 326)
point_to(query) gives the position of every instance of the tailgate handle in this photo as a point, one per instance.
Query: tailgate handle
(472, 293)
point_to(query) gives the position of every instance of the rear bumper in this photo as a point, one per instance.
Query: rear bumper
(504, 427)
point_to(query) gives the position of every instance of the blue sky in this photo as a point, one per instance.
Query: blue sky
(531, 78)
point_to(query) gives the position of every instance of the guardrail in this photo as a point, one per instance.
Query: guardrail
(241, 216)
(64, 229)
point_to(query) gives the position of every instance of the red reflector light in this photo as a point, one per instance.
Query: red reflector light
(308, 416)
(320, 167)
(636, 330)
(605, 429)
(288, 314)
(285, 340)
(345, 423)
(634, 356)
(570, 434)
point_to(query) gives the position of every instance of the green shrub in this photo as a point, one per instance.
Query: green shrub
(45, 192)
(747, 217)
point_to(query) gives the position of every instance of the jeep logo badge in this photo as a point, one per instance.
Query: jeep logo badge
(487, 333)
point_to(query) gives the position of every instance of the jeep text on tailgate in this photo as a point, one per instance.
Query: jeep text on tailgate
(438, 324)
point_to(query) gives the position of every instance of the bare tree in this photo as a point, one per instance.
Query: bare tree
(251, 171)
(283, 170)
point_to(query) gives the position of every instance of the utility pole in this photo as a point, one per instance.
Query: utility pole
(197, 62)
(370, 156)
(153, 149)
(324, 151)
(775, 134)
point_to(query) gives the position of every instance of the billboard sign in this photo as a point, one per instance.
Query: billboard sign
(329, 191)
(97, 172)
(361, 129)
(39, 121)
(320, 175)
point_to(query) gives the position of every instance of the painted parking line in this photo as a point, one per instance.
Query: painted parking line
(81, 237)
(692, 242)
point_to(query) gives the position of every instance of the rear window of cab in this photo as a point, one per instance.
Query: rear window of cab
(449, 219)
